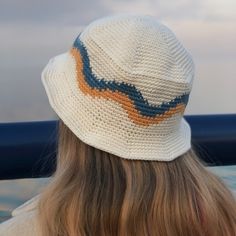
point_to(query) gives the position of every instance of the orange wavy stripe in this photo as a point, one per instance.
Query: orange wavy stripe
(121, 98)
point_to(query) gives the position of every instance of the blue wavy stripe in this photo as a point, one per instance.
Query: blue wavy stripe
(131, 91)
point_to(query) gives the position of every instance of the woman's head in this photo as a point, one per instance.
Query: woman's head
(125, 162)
(96, 193)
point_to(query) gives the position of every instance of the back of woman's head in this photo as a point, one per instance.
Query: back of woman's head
(97, 193)
(125, 165)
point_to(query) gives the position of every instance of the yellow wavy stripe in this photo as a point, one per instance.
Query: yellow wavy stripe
(121, 98)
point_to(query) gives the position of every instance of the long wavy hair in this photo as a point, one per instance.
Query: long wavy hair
(95, 193)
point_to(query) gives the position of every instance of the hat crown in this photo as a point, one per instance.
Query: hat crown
(138, 45)
(139, 51)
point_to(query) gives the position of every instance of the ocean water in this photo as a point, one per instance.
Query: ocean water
(15, 192)
(228, 174)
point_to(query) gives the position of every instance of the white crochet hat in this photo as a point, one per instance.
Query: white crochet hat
(123, 88)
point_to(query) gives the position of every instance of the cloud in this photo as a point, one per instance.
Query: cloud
(218, 10)
(177, 10)
(51, 12)
(73, 12)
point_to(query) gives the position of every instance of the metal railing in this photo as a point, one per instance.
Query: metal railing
(28, 149)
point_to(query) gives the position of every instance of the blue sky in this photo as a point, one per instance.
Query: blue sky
(34, 31)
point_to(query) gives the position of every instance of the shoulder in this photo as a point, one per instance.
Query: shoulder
(23, 221)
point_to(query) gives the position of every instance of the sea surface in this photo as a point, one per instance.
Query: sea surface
(15, 192)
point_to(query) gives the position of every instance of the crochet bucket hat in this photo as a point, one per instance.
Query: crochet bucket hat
(123, 88)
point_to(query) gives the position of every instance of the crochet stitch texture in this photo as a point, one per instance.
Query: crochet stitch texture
(123, 88)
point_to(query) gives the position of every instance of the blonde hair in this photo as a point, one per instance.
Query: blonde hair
(97, 193)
